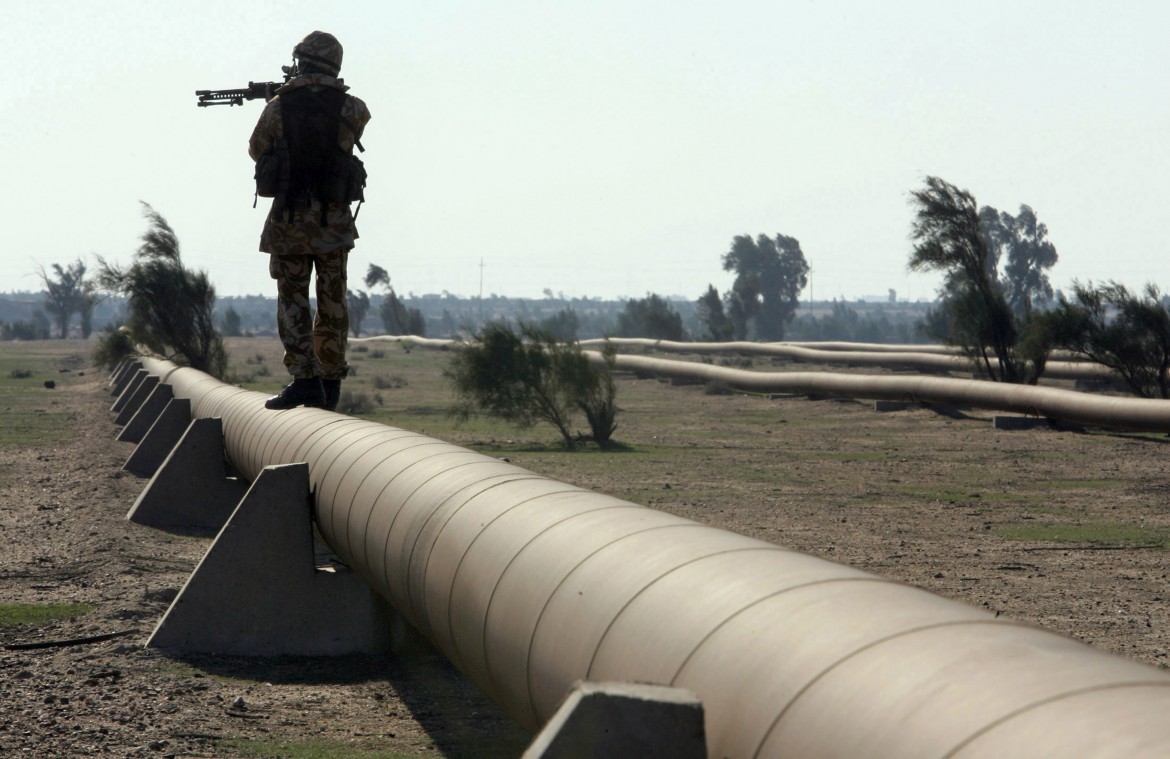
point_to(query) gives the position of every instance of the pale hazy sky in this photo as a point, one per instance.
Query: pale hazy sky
(600, 148)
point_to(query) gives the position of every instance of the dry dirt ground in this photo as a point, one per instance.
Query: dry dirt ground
(1065, 530)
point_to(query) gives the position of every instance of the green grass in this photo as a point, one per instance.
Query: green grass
(317, 749)
(847, 456)
(1076, 484)
(34, 427)
(1104, 535)
(26, 405)
(16, 615)
(1037, 495)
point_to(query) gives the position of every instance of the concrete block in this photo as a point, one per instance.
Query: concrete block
(136, 379)
(1014, 422)
(191, 491)
(258, 592)
(136, 399)
(623, 719)
(887, 406)
(160, 439)
(147, 413)
(124, 376)
(118, 370)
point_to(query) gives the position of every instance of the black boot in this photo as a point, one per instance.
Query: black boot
(332, 393)
(302, 391)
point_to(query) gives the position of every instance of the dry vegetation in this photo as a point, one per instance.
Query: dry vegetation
(1064, 530)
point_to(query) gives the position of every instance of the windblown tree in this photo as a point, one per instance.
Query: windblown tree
(87, 303)
(232, 323)
(67, 292)
(951, 237)
(528, 376)
(397, 319)
(650, 317)
(562, 325)
(170, 308)
(1125, 331)
(1020, 243)
(769, 277)
(714, 317)
(358, 304)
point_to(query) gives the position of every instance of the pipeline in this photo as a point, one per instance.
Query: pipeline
(924, 359)
(528, 585)
(936, 359)
(1112, 412)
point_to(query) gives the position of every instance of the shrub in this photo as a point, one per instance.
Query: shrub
(528, 377)
(114, 344)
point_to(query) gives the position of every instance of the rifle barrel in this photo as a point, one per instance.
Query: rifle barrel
(221, 97)
(254, 91)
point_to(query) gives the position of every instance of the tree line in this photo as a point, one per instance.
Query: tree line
(996, 303)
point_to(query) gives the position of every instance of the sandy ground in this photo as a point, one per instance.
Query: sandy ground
(940, 502)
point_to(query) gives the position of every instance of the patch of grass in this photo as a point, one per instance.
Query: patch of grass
(1076, 484)
(1037, 499)
(177, 668)
(316, 749)
(944, 493)
(16, 615)
(1119, 535)
(33, 427)
(852, 455)
(24, 366)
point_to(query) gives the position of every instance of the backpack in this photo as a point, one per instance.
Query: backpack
(307, 162)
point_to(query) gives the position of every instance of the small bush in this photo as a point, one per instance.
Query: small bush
(114, 344)
(356, 403)
(530, 377)
(388, 383)
(716, 388)
(20, 373)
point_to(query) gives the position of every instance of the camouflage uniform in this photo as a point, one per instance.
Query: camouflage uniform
(299, 243)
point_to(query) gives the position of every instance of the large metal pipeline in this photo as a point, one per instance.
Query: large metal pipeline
(923, 359)
(529, 585)
(1112, 412)
(937, 359)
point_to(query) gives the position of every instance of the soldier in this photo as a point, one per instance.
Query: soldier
(308, 130)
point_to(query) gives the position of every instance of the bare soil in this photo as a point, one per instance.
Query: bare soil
(1064, 530)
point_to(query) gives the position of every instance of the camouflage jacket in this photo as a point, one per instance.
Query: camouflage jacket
(304, 234)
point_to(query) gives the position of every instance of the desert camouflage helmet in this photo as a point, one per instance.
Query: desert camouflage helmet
(321, 49)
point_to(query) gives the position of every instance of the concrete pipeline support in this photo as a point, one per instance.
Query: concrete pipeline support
(530, 585)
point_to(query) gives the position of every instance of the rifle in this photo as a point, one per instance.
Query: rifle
(254, 91)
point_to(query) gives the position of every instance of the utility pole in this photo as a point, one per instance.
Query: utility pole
(481, 291)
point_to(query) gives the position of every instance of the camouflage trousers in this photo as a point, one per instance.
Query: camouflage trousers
(314, 346)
